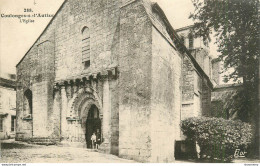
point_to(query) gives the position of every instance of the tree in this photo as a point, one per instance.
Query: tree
(236, 27)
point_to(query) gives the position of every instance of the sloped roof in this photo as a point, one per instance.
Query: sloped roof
(184, 28)
(226, 86)
(177, 41)
(7, 83)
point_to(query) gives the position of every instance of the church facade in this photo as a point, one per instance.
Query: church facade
(116, 68)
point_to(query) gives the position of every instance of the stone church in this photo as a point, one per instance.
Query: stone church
(117, 68)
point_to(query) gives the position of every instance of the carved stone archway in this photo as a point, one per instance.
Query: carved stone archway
(88, 93)
(80, 106)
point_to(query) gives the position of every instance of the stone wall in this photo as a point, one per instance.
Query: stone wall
(135, 82)
(187, 88)
(165, 99)
(206, 98)
(196, 92)
(113, 84)
(204, 60)
(101, 17)
(42, 90)
(35, 73)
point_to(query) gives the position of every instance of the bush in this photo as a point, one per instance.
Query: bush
(218, 138)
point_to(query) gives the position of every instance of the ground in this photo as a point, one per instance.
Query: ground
(19, 152)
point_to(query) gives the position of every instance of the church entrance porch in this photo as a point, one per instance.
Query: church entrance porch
(83, 117)
(85, 108)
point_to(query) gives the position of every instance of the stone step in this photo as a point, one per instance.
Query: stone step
(44, 141)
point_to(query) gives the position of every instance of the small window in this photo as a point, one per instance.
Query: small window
(13, 123)
(86, 64)
(191, 40)
(85, 47)
(1, 124)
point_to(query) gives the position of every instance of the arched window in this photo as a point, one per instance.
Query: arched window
(28, 102)
(191, 40)
(85, 47)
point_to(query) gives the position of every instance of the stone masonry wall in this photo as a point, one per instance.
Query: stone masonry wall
(101, 17)
(43, 91)
(206, 99)
(196, 91)
(135, 82)
(202, 57)
(187, 88)
(35, 72)
(114, 116)
(166, 99)
(197, 110)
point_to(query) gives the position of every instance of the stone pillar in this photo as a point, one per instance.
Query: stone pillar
(106, 123)
(69, 96)
(40, 109)
(57, 114)
(68, 89)
(63, 112)
(75, 89)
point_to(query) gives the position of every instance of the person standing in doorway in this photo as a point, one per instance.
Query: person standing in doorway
(94, 140)
(98, 138)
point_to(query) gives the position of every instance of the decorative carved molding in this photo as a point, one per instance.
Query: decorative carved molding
(111, 73)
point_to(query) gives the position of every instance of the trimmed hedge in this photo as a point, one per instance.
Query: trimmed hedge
(218, 138)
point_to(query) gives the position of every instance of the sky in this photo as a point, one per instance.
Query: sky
(16, 38)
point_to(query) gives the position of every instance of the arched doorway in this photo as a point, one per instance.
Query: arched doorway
(93, 125)
(87, 108)
(28, 103)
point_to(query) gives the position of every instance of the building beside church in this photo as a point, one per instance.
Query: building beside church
(117, 68)
(7, 106)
